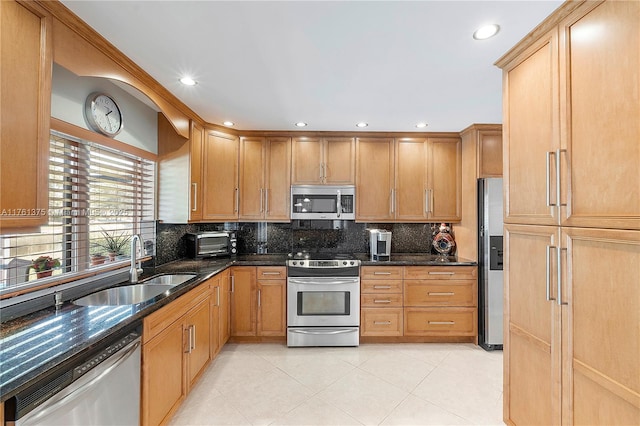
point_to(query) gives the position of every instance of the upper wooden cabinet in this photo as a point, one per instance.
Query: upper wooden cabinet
(572, 104)
(195, 168)
(265, 170)
(25, 112)
(329, 161)
(375, 181)
(489, 153)
(220, 177)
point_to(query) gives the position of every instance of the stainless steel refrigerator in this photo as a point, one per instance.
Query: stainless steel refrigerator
(490, 274)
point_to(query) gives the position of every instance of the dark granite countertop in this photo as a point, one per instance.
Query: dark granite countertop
(33, 345)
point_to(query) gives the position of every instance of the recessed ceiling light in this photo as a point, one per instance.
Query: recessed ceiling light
(486, 31)
(228, 123)
(421, 125)
(301, 124)
(362, 124)
(188, 81)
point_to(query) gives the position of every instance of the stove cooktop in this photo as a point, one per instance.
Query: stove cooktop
(320, 256)
(322, 260)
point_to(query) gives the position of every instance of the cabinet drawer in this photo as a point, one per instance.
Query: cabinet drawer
(440, 321)
(381, 272)
(381, 300)
(272, 272)
(381, 322)
(381, 286)
(441, 272)
(439, 293)
(165, 316)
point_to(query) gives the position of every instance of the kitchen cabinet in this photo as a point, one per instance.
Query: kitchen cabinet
(381, 312)
(215, 339)
(225, 307)
(440, 301)
(25, 80)
(220, 177)
(489, 153)
(375, 180)
(175, 350)
(408, 180)
(322, 161)
(258, 301)
(566, 283)
(265, 179)
(195, 169)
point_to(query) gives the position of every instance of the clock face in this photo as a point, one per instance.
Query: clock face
(103, 114)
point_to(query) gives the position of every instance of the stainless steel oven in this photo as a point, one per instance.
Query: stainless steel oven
(323, 302)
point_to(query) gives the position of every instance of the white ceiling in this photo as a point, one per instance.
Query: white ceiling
(266, 65)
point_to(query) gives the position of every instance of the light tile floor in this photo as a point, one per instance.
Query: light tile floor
(373, 384)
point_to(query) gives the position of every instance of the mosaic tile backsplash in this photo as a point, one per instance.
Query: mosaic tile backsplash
(313, 236)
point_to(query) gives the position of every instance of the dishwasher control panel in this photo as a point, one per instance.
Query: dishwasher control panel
(104, 354)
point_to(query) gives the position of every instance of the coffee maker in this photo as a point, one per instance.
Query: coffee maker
(380, 244)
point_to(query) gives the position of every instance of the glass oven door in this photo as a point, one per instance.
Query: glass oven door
(323, 302)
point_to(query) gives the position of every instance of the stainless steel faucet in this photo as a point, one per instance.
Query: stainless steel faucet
(135, 270)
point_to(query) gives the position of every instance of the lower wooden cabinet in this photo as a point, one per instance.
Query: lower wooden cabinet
(381, 321)
(175, 350)
(381, 301)
(258, 301)
(440, 322)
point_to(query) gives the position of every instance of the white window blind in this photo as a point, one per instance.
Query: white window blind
(98, 198)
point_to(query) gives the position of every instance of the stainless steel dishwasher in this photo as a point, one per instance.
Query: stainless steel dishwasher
(102, 388)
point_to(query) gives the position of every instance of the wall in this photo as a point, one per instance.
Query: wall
(348, 237)
(68, 94)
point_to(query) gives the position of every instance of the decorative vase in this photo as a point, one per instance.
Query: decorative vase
(44, 274)
(444, 242)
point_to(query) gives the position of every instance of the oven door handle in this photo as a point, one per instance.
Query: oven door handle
(323, 331)
(323, 281)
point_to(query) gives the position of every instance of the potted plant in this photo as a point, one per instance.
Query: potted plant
(44, 266)
(97, 258)
(114, 243)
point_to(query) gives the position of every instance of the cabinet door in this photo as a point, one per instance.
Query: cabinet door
(278, 180)
(195, 167)
(599, 76)
(531, 134)
(163, 387)
(215, 339)
(252, 158)
(444, 179)
(374, 179)
(25, 80)
(272, 303)
(601, 326)
(220, 183)
(532, 318)
(243, 301)
(306, 160)
(198, 328)
(339, 161)
(489, 153)
(411, 180)
(225, 307)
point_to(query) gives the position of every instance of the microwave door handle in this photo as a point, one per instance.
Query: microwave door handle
(339, 204)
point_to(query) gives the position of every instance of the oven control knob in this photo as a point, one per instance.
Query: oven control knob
(352, 263)
(294, 263)
(301, 263)
(344, 262)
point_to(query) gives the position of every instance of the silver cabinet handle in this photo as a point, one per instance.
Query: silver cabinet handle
(381, 287)
(548, 277)
(382, 323)
(194, 185)
(233, 283)
(548, 178)
(441, 273)
(193, 338)
(444, 293)
(558, 178)
(237, 201)
(259, 301)
(189, 338)
(382, 273)
(218, 296)
(441, 322)
(261, 201)
(391, 201)
(271, 273)
(426, 201)
(266, 200)
(382, 301)
(320, 171)
(560, 302)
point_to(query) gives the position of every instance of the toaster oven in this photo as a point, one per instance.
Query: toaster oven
(211, 244)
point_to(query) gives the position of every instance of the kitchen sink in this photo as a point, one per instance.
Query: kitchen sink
(124, 295)
(134, 293)
(169, 279)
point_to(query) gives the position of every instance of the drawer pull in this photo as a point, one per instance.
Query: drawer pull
(271, 273)
(382, 323)
(444, 293)
(441, 273)
(441, 322)
(381, 273)
(381, 301)
(381, 287)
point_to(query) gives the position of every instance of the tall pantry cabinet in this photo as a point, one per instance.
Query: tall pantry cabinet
(572, 218)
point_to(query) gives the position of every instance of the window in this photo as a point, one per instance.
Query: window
(98, 198)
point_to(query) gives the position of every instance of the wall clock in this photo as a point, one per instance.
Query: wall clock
(103, 114)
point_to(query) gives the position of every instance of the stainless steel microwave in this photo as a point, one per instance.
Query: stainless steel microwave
(211, 244)
(323, 202)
